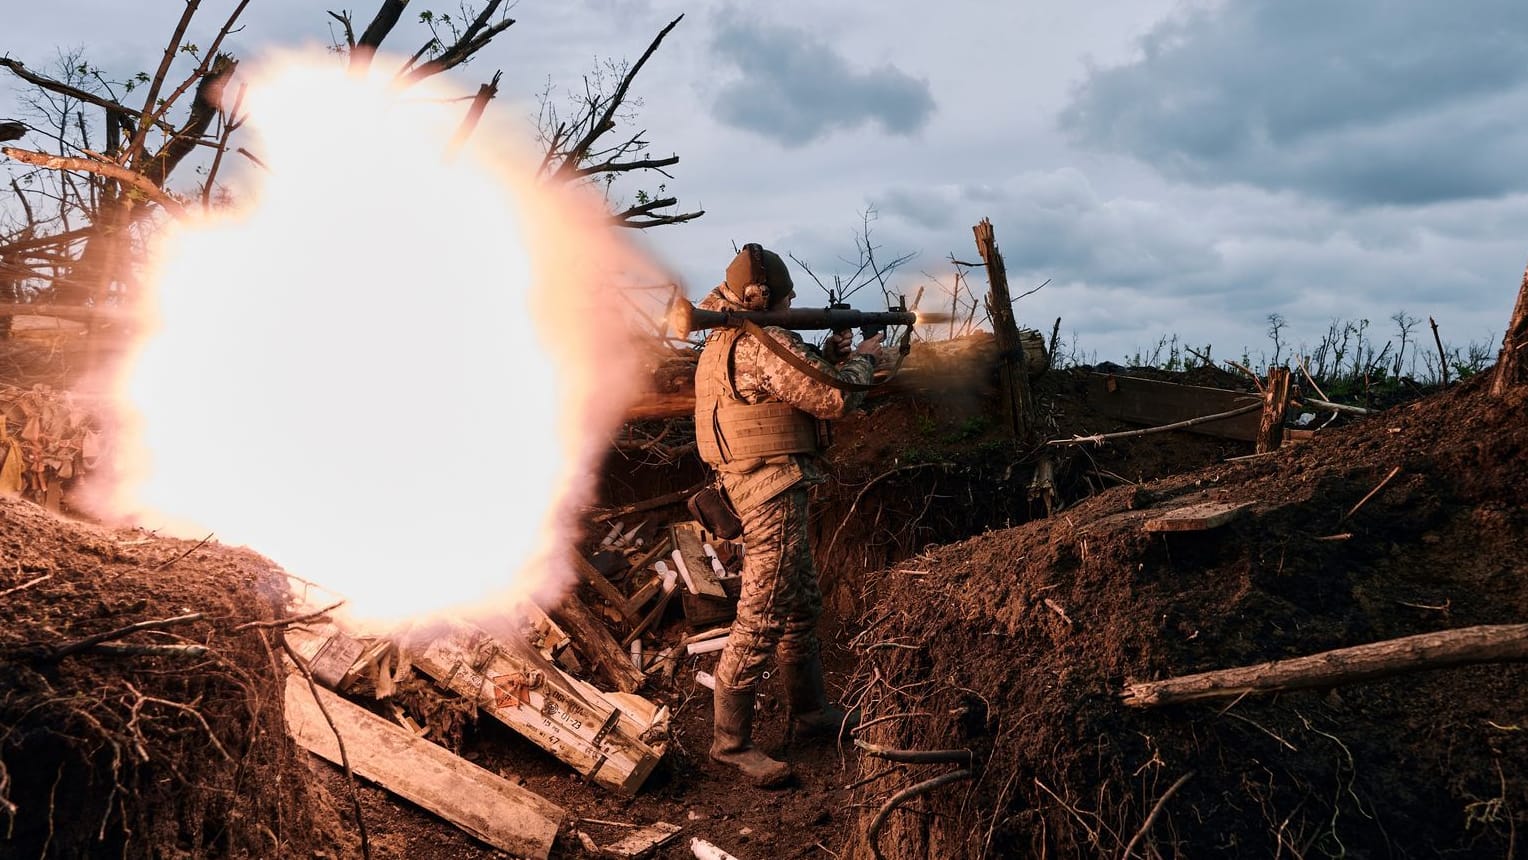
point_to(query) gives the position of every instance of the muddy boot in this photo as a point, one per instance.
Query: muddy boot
(814, 714)
(732, 742)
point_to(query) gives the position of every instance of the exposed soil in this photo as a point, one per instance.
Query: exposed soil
(938, 565)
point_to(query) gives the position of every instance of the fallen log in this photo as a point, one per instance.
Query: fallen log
(1498, 643)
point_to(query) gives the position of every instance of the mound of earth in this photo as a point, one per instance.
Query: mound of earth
(1016, 645)
(139, 715)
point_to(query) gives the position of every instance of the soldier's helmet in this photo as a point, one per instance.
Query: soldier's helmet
(757, 278)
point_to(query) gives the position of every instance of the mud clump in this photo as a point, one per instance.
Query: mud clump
(1016, 645)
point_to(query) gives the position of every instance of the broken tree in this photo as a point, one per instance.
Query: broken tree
(1512, 363)
(1018, 409)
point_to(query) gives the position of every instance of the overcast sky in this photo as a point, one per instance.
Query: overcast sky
(1170, 167)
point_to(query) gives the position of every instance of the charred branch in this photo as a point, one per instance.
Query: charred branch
(485, 94)
(371, 38)
(641, 216)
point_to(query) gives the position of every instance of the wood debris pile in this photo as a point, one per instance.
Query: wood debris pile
(565, 677)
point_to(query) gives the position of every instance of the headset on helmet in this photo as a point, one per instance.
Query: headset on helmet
(748, 281)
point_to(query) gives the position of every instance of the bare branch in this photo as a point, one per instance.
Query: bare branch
(344, 18)
(63, 89)
(606, 120)
(107, 169)
(473, 39)
(629, 217)
(614, 166)
(152, 99)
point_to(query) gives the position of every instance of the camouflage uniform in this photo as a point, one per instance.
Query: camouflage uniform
(781, 602)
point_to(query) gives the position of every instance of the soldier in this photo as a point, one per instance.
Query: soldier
(757, 410)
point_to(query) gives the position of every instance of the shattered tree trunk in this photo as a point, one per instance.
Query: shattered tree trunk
(1498, 643)
(1512, 364)
(1018, 409)
(1270, 433)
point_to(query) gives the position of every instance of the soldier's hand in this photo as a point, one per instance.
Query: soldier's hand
(871, 346)
(836, 349)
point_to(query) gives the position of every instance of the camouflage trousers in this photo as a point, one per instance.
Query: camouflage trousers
(780, 603)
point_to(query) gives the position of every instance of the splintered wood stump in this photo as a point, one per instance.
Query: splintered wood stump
(1500, 643)
(1018, 409)
(1512, 363)
(1270, 432)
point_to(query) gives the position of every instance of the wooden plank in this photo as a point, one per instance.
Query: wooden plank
(1197, 518)
(688, 540)
(640, 844)
(1148, 401)
(491, 808)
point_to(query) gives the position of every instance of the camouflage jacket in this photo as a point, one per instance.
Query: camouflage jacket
(758, 376)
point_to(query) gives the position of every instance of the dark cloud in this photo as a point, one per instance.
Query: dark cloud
(793, 87)
(1054, 224)
(1362, 102)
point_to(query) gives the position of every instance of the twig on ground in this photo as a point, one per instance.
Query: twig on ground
(118, 649)
(25, 585)
(1057, 608)
(1377, 487)
(199, 544)
(295, 619)
(1445, 606)
(1337, 407)
(889, 717)
(91, 641)
(1155, 811)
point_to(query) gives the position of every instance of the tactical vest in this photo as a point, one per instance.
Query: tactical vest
(733, 435)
